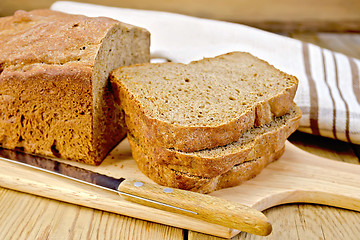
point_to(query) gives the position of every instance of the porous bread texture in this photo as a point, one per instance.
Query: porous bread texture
(166, 176)
(257, 141)
(55, 97)
(213, 169)
(204, 104)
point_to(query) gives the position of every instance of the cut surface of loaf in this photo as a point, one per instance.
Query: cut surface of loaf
(257, 141)
(213, 169)
(55, 98)
(204, 104)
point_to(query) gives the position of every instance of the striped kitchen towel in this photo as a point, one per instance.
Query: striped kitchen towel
(329, 85)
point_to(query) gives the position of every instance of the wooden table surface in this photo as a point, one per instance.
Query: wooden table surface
(25, 216)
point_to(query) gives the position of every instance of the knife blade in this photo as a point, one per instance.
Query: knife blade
(200, 206)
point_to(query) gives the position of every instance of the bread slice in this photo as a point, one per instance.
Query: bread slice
(167, 176)
(204, 104)
(55, 98)
(256, 142)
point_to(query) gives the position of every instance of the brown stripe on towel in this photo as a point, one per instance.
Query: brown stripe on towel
(355, 78)
(331, 96)
(347, 123)
(314, 104)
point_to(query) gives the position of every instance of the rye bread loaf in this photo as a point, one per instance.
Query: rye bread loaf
(167, 176)
(55, 98)
(204, 104)
(256, 142)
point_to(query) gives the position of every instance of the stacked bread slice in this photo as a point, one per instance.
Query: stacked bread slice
(209, 124)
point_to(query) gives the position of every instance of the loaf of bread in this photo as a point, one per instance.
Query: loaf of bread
(55, 98)
(220, 167)
(208, 163)
(204, 104)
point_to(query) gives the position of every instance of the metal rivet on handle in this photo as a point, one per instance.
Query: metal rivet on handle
(138, 184)
(168, 190)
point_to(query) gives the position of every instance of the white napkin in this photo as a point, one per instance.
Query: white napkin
(329, 88)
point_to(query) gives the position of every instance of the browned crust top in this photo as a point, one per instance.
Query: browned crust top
(50, 37)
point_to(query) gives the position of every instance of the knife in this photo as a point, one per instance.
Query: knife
(201, 206)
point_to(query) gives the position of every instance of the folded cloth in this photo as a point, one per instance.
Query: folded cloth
(329, 84)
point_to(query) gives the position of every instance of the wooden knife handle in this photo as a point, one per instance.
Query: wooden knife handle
(197, 205)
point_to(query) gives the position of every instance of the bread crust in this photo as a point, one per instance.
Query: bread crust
(189, 138)
(240, 173)
(165, 175)
(211, 165)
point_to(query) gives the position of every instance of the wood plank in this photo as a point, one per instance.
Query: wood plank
(275, 15)
(41, 218)
(231, 10)
(303, 221)
(305, 26)
(296, 176)
(346, 43)
(306, 221)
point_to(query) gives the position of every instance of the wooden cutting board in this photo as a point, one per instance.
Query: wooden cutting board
(296, 177)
